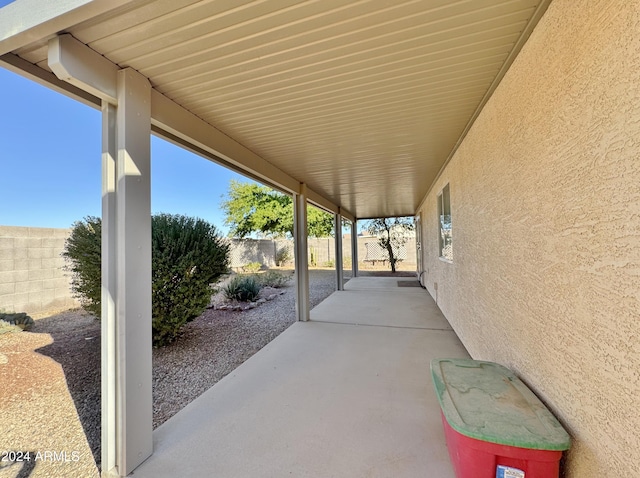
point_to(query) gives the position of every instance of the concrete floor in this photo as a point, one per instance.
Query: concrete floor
(347, 394)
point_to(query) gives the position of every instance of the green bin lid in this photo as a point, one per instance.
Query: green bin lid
(486, 401)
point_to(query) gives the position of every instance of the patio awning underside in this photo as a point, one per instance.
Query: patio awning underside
(362, 101)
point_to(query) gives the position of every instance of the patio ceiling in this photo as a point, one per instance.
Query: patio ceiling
(364, 101)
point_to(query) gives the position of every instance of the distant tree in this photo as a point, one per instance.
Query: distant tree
(250, 207)
(392, 234)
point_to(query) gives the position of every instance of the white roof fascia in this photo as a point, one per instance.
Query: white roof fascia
(166, 115)
(27, 21)
(76, 63)
(347, 215)
(45, 78)
(320, 201)
(176, 120)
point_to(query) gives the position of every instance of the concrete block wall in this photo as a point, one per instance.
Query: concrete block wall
(321, 250)
(264, 251)
(245, 251)
(32, 278)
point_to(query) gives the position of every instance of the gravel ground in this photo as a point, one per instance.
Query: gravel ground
(210, 347)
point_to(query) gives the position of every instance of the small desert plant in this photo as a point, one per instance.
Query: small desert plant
(252, 267)
(283, 256)
(8, 328)
(242, 288)
(273, 279)
(313, 257)
(20, 319)
(329, 264)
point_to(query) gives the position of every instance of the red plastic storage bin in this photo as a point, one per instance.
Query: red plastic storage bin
(494, 425)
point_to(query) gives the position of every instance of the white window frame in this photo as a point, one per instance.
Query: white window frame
(445, 230)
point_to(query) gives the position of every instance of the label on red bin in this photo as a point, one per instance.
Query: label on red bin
(508, 472)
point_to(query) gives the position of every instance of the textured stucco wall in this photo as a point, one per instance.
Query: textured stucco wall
(545, 197)
(32, 278)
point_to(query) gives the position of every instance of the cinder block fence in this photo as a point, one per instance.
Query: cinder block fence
(321, 252)
(32, 278)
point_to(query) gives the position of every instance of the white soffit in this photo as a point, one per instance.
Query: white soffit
(363, 101)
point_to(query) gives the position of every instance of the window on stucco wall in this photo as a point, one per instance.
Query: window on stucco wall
(444, 215)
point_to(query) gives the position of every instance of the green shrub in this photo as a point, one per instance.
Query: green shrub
(273, 279)
(283, 256)
(252, 267)
(188, 255)
(7, 328)
(20, 319)
(82, 251)
(243, 288)
(329, 264)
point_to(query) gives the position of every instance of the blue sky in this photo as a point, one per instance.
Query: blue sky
(50, 147)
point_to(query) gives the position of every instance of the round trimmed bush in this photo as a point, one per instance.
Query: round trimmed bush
(82, 252)
(188, 255)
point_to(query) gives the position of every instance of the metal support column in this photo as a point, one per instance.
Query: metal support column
(300, 233)
(132, 234)
(338, 232)
(127, 404)
(108, 296)
(354, 248)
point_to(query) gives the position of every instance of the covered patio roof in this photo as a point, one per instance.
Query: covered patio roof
(354, 106)
(363, 101)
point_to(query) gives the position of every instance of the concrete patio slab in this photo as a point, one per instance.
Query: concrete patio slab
(380, 301)
(324, 399)
(377, 283)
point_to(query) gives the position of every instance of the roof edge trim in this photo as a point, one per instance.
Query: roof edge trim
(25, 21)
(28, 70)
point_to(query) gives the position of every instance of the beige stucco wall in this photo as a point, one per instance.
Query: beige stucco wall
(545, 195)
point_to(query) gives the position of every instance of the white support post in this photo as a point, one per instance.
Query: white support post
(134, 403)
(338, 232)
(108, 312)
(300, 233)
(127, 405)
(354, 248)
